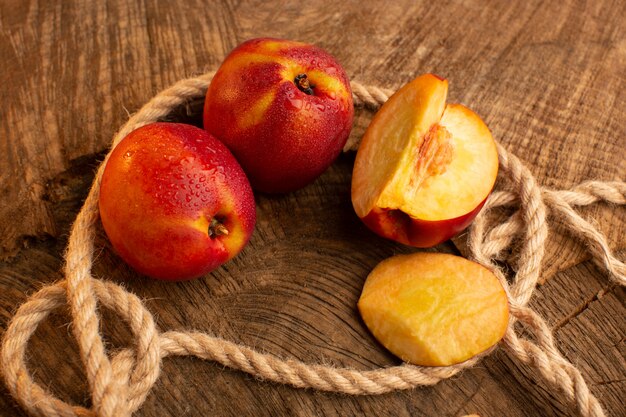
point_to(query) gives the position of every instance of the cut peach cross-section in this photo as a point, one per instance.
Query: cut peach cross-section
(424, 169)
(434, 309)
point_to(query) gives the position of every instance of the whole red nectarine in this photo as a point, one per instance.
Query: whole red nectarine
(174, 202)
(283, 108)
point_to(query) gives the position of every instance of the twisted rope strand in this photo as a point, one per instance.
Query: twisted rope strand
(300, 374)
(34, 399)
(534, 214)
(559, 203)
(583, 194)
(552, 366)
(119, 386)
(105, 391)
(596, 241)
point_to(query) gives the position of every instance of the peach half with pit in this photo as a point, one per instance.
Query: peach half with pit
(424, 168)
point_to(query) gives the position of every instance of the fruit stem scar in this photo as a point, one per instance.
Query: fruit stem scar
(217, 229)
(302, 82)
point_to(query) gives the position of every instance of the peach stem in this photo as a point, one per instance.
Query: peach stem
(216, 229)
(303, 84)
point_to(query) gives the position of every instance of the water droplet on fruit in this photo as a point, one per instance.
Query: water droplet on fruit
(128, 154)
(295, 102)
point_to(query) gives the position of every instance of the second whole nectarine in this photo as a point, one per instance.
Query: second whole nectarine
(283, 108)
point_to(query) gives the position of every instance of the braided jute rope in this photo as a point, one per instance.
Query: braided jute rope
(120, 384)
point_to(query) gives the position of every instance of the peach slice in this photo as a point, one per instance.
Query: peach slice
(434, 309)
(424, 169)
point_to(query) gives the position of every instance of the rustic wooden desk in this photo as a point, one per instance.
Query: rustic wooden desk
(547, 77)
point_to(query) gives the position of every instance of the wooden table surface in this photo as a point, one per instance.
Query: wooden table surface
(547, 77)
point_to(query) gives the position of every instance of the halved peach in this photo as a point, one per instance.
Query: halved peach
(424, 169)
(434, 309)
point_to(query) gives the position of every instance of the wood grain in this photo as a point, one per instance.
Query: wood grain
(547, 78)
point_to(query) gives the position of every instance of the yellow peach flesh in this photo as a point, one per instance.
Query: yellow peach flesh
(434, 309)
(429, 163)
(396, 129)
(467, 179)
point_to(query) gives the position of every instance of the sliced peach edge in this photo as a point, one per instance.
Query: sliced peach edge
(434, 309)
